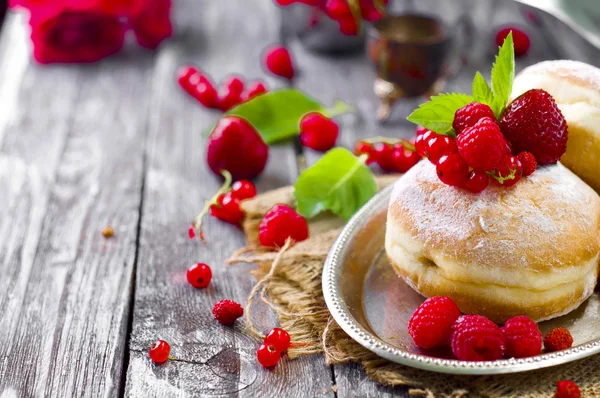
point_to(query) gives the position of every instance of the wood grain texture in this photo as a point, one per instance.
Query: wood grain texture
(211, 359)
(71, 160)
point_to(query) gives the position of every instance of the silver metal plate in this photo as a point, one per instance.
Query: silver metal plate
(373, 305)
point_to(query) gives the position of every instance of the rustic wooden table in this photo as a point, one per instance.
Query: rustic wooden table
(118, 143)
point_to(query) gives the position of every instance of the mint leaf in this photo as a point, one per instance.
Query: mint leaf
(339, 182)
(437, 114)
(482, 91)
(503, 75)
(276, 114)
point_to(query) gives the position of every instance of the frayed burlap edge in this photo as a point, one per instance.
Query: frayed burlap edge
(289, 282)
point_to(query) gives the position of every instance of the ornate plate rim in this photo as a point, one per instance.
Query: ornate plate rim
(341, 314)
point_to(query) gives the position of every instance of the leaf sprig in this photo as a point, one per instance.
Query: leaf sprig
(437, 114)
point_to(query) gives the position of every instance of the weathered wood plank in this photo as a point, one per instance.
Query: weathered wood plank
(212, 359)
(72, 161)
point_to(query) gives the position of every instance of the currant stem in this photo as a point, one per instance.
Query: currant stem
(171, 359)
(338, 108)
(208, 203)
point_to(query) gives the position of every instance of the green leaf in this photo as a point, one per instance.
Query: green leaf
(437, 115)
(276, 114)
(481, 90)
(503, 75)
(339, 182)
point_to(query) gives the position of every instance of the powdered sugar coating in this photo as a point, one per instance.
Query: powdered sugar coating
(568, 69)
(549, 219)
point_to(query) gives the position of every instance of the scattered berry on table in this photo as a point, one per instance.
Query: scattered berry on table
(403, 159)
(470, 114)
(533, 123)
(482, 145)
(199, 275)
(278, 338)
(528, 162)
(365, 148)
(508, 172)
(520, 39)
(108, 232)
(558, 339)
(477, 181)
(384, 155)
(431, 323)
(231, 97)
(318, 132)
(267, 355)
(227, 311)
(522, 336)
(243, 189)
(476, 338)
(255, 89)
(159, 351)
(192, 232)
(279, 224)
(227, 209)
(452, 170)
(279, 62)
(234, 145)
(440, 145)
(567, 389)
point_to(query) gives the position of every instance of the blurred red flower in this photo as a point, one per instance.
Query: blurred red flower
(76, 31)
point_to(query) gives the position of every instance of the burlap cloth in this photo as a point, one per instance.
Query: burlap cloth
(289, 282)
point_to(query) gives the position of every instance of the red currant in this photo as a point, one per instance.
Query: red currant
(366, 148)
(185, 75)
(267, 355)
(421, 142)
(368, 11)
(384, 156)
(206, 93)
(159, 351)
(278, 338)
(477, 181)
(192, 232)
(232, 93)
(257, 88)
(452, 170)
(403, 159)
(349, 26)
(338, 10)
(227, 209)
(520, 39)
(199, 275)
(243, 189)
(508, 172)
(318, 132)
(279, 62)
(439, 146)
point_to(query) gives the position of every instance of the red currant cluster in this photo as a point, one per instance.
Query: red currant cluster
(392, 155)
(274, 346)
(233, 92)
(228, 207)
(478, 155)
(348, 13)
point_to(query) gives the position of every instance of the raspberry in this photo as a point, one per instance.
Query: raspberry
(432, 321)
(280, 223)
(477, 181)
(440, 145)
(528, 162)
(558, 339)
(318, 132)
(227, 311)
(520, 39)
(470, 114)
(523, 337)
(508, 172)
(533, 123)
(482, 146)
(476, 338)
(452, 170)
(567, 389)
